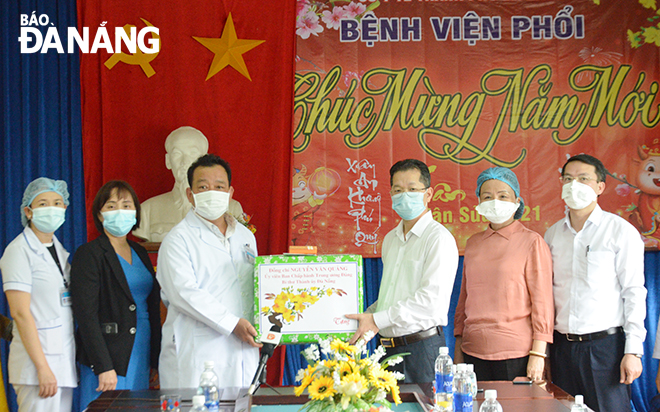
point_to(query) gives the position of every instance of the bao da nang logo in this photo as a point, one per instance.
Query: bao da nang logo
(137, 42)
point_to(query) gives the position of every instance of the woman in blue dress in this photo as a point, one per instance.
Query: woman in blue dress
(116, 301)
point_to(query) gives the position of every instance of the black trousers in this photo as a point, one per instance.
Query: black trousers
(419, 366)
(591, 369)
(499, 370)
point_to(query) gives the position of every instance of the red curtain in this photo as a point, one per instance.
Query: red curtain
(127, 114)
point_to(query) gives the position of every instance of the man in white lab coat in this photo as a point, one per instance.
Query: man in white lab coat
(205, 270)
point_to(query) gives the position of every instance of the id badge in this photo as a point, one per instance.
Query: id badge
(250, 254)
(65, 297)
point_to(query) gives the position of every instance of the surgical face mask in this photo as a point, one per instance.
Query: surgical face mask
(497, 211)
(211, 204)
(48, 219)
(578, 195)
(409, 205)
(119, 222)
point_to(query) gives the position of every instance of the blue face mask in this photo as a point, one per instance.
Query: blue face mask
(48, 219)
(409, 205)
(119, 222)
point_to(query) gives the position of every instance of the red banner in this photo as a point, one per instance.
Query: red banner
(464, 86)
(229, 77)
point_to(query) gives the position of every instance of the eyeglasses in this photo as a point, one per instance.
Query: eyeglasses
(582, 179)
(412, 190)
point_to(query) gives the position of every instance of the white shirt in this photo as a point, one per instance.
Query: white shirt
(418, 277)
(207, 284)
(224, 238)
(28, 266)
(599, 277)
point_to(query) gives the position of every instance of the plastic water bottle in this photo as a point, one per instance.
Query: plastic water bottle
(208, 387)
(463, 394)
(444, 379)
(490, 404)
(473, 379)
(453, 384)
(579, 405)
(198, 404)
(454, 371)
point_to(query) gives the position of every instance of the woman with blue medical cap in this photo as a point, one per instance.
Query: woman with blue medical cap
(35, 275)
(505, 313)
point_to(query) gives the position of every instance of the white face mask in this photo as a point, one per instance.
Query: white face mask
(578, 195)
(497, 211)
(211, 204)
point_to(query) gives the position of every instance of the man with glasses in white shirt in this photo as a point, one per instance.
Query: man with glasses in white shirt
(420, 258)
(600, 298)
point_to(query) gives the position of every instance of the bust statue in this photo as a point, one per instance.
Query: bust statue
(161, 213)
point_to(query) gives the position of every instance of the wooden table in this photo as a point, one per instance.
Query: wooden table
(545, 397)
(536, 398)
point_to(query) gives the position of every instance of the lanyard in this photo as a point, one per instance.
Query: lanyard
(53, 253)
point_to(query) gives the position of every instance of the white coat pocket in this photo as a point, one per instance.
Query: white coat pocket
(50, 336)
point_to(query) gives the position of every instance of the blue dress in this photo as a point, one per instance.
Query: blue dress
(140, 283)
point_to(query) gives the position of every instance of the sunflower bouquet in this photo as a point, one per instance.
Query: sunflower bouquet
(343, 377)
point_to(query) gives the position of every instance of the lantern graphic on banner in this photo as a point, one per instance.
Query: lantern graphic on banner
(309, 194)
(324, 182)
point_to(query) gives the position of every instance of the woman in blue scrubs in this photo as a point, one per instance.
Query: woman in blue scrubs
(116, 300)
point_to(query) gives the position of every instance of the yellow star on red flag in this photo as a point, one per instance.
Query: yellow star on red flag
(228, 50)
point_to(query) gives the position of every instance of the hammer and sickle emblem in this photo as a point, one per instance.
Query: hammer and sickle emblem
(138, 58)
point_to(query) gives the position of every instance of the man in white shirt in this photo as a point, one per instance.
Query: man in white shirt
(600, 299)
(205, 270)
(420, 258)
